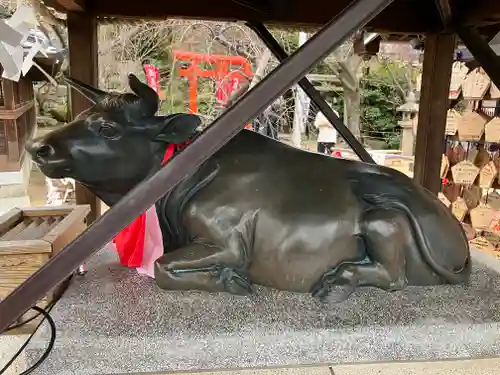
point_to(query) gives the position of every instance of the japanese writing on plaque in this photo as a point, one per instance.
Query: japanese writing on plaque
(464, 173)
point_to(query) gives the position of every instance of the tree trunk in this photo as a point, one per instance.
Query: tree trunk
(261, 67)
(350, 77)
(301, 107)
(352, 110)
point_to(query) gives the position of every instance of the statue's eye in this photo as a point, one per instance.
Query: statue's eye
(108, 131)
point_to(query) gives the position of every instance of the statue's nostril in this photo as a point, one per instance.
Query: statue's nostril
(44, 151)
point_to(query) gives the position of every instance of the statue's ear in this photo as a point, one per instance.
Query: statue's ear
(177, 128)
(150, 101)
(91, 93)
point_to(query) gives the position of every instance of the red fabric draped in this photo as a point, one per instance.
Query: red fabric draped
(129, 242)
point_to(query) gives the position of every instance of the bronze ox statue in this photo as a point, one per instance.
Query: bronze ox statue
(260, 212)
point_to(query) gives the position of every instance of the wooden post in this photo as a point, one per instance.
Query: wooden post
(9, 97)
(82, 38)
(10, 129)
(434, 102)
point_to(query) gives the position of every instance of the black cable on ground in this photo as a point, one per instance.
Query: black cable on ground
(24, 322)
(46, 316)
(47, 351)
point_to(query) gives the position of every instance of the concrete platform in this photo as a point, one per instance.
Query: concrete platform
(113, 321)
(458, 367)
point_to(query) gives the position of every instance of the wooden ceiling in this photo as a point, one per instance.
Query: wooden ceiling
(401, 17)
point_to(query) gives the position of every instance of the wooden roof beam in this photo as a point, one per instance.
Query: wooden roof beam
(66, 5)
(405, 16)
(401, 17)
(444, 9)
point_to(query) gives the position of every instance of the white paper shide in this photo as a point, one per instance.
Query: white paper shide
(14, 58)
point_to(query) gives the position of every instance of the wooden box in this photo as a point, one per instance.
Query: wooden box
(29, 238)
(402, 164)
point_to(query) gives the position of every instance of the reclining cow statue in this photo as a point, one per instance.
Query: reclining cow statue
(260, 212)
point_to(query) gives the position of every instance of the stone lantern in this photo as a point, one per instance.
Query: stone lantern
(408, 124)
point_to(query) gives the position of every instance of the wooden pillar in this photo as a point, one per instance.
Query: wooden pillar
(434, 102)
(82, 40)
(9, 98)
(10, 129)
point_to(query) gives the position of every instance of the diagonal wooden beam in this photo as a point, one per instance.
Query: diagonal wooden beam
(221, 131)
(306, 85)
(481, 51)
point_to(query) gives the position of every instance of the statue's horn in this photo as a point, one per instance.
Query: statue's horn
(91, 93)
(150, 102)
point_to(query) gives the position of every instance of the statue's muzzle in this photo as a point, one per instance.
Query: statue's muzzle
(45, 157)
(40, 152)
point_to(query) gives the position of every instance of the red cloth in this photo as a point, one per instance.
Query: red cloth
(129, 242)
(337, 154)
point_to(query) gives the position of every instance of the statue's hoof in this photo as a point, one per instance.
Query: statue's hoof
(333, 293)
(233, 281)
(336, 286)
(398, 284)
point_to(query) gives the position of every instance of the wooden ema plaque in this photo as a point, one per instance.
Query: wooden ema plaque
(494, 91)
(458, 74)
(452, 119)
(464, 173)
(472, 195)
(493, 200)
(496, 159)
(481, 217)
(444, 200)
(483, 244)
(482, 157)
(452, 190)
(475, 85)
(492, 131)
(487, 175)
(495, 223)
(456, 154)
(471, 155)
(459, 209)
(492, 238)
(471, 126)
(445, 166)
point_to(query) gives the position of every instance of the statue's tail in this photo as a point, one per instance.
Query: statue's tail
(439, 235)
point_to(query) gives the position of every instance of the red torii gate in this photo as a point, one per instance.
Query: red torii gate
(221, 73)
